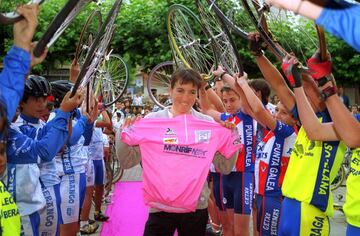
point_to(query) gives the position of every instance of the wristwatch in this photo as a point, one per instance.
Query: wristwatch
(328, 91)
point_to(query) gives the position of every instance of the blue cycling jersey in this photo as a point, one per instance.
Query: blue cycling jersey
(343, 21)
(24, 153)
(12, 79)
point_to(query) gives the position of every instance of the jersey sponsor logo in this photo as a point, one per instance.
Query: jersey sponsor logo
(50, 209)
(271, 221)
(317, 226)
(274, 168)
(12, 181)
(185, 150)
(169, 131)
(72, 189)
(202, 136)
(248, 144)
(171, 140)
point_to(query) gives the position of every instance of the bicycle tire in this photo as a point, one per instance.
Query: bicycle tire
(278, 49)
(218, 32)
(189, 49)
(11, 17)
(116, 78)
(226, 20)
(159, 79)
(85, 41)
(61, 21)
(339, 178)
(91, 63)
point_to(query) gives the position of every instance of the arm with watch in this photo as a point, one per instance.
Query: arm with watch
(346, 125)
(231, 82)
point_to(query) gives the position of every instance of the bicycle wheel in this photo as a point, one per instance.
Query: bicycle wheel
(233, 15)
(97, 49)
(158, 82)
(116, 168)
(88, 33)
(274, 26)
(219, 34)
(114, 77)
(8, 15)
(189, 40)
(337, 182)
(61, 21)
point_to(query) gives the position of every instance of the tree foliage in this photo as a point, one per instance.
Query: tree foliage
(141, 38)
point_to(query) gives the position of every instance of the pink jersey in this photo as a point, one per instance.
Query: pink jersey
(272, 158)
(176, 155)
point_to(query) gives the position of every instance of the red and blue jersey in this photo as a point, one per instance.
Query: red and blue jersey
(272, 159)
(246, 127)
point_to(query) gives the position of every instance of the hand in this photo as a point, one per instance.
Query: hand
(37, 60)
(228, 124)
(129, 121)
(94, 111)
(74, 71)
(24, 29)
(240, 80)
(285, 4)
(318, 68)
(219, 71)
(68, 104)
(287, 66)
(256, 44)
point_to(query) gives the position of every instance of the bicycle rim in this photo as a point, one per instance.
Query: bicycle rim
(8, 15)
(159, 80)
(189, 40)
(274, 26)
(233, 15)
(114, 80)
(218, 33)
(67, 21)
(88, 33)
(339, 178)
(97, 50)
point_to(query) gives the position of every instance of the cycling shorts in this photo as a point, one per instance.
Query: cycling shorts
(99, 172)
(238, 190)
(72, 190)
(217, 190)
(300, 218)
(30, 224)
(90, 173)
(352, 230)
(49, 215)
(267, 214)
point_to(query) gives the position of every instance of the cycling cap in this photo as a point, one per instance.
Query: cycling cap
(37, 86)
(59, 89)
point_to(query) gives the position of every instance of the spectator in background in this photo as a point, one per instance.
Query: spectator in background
(275, 99)
(354, 109)
(138, 99)
(343, 97)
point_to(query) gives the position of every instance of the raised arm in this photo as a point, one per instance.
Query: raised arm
(230, 80)
(347, 127)
(260, 113)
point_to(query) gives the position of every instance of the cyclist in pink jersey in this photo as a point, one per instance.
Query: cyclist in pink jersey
(175, 182)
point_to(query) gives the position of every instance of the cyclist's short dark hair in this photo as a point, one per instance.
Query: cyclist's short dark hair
(227, 89)
(262, 86)
(185, 76)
